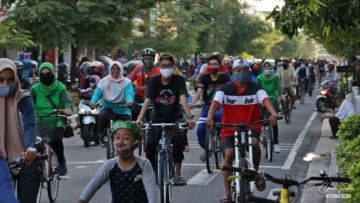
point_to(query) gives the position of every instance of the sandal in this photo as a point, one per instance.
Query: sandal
(226, 199)
(179, 181)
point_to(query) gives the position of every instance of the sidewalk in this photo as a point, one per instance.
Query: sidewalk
(326, 161)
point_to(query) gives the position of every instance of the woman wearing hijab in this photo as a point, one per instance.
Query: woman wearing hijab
(17, 135)
(48, 95)
(117, 96)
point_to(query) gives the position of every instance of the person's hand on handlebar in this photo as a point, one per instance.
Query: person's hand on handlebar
(29, 156)
(92, 105)
(66, 112)
(190, 123)
(209, 121)
(273, 119)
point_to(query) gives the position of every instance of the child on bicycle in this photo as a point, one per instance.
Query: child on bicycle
(132, 178)
(239, 100)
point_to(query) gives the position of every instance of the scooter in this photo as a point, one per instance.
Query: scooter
(87, 117)
(326, 99)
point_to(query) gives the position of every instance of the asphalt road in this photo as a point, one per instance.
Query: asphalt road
(296, 139)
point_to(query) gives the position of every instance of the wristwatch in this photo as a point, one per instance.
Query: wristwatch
(190, 116)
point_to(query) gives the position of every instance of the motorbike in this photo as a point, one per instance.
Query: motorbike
(326, 99)
(87, 117)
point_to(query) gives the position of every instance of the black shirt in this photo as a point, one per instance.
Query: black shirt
(165, 98)
(210, 86)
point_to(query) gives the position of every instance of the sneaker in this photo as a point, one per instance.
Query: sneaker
(62, 169)
(276, 148)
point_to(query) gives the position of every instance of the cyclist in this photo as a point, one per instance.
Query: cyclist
(239, 99)
(48, 95)
(207, 87)
(139, 78)
(25, 83)
(96, 68)
(84, 72)
(255, 69)
(17, 131)
(117, 96)
(132, 178)
(269, 81)
(302, 75)
(312, 76)
(287, 78)
(165, 91)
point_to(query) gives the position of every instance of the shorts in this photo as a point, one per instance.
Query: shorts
(229, 141)
(289, 90)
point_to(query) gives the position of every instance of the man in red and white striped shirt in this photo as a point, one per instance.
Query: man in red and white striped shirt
(240, 101)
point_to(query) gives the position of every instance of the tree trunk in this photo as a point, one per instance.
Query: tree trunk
(74, 72)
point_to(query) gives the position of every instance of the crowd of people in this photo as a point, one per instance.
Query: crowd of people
(231, 90)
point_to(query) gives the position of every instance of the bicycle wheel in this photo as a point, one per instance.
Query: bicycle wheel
(287, 111)
(110, 151)
(163, 182)
(53, 181)
(209, 150)
(243, 186)
(264, 142)
(38, 197)
(269, 142)
(218, 152)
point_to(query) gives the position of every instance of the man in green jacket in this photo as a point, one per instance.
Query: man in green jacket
(49, 95)
(269, 81)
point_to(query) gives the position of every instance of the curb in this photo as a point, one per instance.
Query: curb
(325, 159)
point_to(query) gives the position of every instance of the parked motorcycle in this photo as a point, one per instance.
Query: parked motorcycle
(326, 99)
(87, 117)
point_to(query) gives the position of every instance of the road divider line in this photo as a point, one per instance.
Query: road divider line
(203, 177)
(290, 159)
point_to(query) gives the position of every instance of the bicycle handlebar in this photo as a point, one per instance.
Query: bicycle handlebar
(263, 121)
(284, 181)
(16, 164)
(145, 126)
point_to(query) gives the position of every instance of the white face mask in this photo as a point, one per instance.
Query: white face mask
(167, 72)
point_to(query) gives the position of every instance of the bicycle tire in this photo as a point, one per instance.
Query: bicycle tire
(109, 145)
(264, 144)
(243, 186)
(85, 135)
(269, 143)
(38, 196)
(53, 181)
(162, 177)
(218, 151)
(209, 150)
(287, 111)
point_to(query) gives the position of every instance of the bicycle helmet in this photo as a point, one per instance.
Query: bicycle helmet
(63, 66)
(148, 52)
(84, 68)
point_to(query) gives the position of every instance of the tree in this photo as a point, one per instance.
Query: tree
(333, 23)
(13, 37)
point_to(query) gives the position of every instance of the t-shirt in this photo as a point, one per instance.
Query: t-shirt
(270, 85)
(165, 98)
(285, 76)
(210, 86)
(240, 105)
(223, 69)
(139, 78)
(346, 109)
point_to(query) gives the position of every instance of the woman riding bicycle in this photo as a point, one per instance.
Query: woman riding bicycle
(17, 135)
(117, 96)
(50, 95)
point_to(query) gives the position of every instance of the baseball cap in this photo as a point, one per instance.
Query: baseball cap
(240, 63)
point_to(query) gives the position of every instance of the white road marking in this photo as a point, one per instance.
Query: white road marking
(203, 177)
(289, 161)
(87, 162)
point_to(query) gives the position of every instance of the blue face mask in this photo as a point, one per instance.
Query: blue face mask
(6, 90)
(242, 77)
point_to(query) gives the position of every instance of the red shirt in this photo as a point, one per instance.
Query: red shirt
(240, 105)
(140, 78)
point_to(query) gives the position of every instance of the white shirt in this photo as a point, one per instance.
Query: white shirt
(346, 109)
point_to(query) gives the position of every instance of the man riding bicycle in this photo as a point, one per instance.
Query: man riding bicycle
(239, 100)
(140, 76)
(207, 87)
(302, 73)
(165, 91)
(288, 79)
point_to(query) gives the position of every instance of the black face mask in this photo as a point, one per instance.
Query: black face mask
(47, 78)
(285, 66)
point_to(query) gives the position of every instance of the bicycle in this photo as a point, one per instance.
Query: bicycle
(243, 140)
(286, 107)
(284, 194)
(213, 152)
(266, 138)
(302, 91)
(165, 166)
(16, 166)
(50, 177)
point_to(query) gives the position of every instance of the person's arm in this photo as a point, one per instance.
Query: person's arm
(142, 113)
(263, 98)
(197, 96)
(27, 109)
(101, 177)
(149, 182)
(97, 95)
(132, 75)
(327, 116)
(129, 94)
(215, 105)
(278, 86)
(65, 100)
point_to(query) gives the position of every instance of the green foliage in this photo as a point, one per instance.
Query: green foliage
(348, 155)
(12, 37)
(333, 23)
